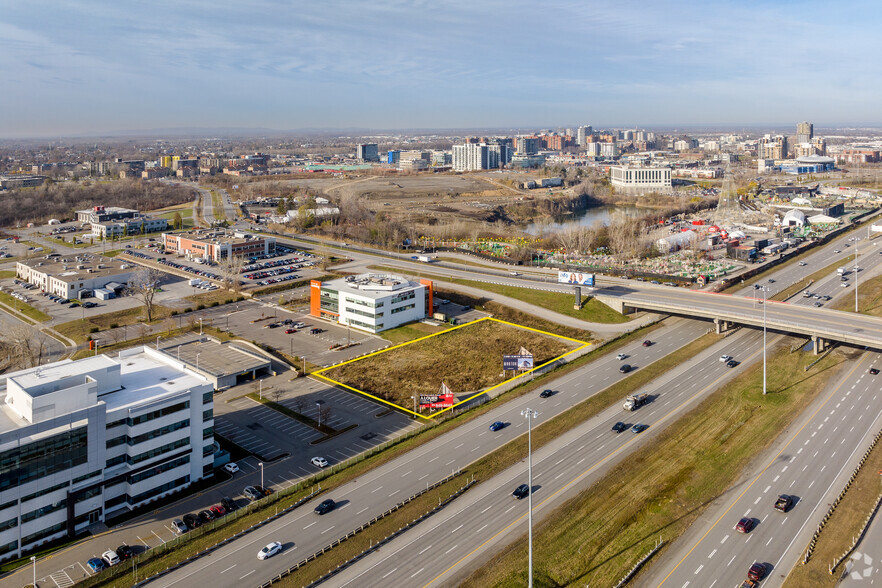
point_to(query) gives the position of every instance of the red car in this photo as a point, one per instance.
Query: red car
(647, 343)
(757, 571)
(218, 511)
(745, 525)
(289, 331)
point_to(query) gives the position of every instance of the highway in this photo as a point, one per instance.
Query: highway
(303, 532)
(812, 463)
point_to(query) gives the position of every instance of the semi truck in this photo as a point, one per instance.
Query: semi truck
(635, 401)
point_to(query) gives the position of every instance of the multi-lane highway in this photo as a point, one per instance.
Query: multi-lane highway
(303, 531)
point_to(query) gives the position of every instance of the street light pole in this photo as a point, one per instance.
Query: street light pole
(34, 559)
(260, 463)
(530, 414)
(855, 277)
(200, 326)
(158, 337)
(765, 290)
(318, 404)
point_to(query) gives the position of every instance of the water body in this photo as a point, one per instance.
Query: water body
(586, 218)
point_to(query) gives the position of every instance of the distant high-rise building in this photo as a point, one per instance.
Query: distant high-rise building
(772, 147)
(471, 157)
(527, 145)
(805, 131)
(367, 152)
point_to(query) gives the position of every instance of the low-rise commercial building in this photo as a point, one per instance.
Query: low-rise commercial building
(84, 441)
(13, 181)
(69, 277)
(640, 178)
(134, 226)
(371, 302)
(100, 214)
(217, 244)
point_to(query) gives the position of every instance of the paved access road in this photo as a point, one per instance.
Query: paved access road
(303, 532)
(812, 463)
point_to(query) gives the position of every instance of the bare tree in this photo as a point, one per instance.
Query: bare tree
(25, 346)
(325, 413)
(143, 285)
(230, 269)
(299, 404)
(277, 394)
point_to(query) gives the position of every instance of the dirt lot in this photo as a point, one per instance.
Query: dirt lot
(420, 367)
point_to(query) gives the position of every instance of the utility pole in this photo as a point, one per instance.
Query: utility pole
(530, 414)
(765, 290)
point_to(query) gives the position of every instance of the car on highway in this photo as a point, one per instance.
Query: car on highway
(647, 343)
(873, 371)
(731, 363)
(521, 491)
(619, 427)
(218, 510)
(96, 565)
(232, 467)
(497, 426)
(757, 571)
(320, 462)
(844, 284)
(771, 280)
(546, 394)
(125, 552)
(625, 368)
(639, 428)
(179, 527)
(802, 263)
(837, 251)
(325, 506)
(251, 493)
(818, 304)
(621, 356)
(192, 521)
(725, 358)
(745, 525)
(110, 557)
(270, 550)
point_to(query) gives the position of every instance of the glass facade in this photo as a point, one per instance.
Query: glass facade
(43, 458)
(158, 413)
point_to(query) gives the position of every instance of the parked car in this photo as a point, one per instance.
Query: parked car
(228, 504)
(218, 510)
(521, 491)
(206, 516)
(619, 427)
(179, 527)
(325, 506)
(251, 493)
(546, 394)
(110, 557)
(96, 564)
(320, 462)
(289, 331)
(125, 552)
(498, 425)
(232, 467)
(270, 550)
(299, 325)
(745, 525)
(192, 521)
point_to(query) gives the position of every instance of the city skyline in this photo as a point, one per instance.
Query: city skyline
(95, 67)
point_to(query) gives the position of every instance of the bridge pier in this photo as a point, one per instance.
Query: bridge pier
(819, 345)
(722, 326)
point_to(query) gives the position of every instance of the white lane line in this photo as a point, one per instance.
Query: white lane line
(481, 529)
(309, 525)
(390, 573)
(417, 572)
(396, 492)
(486, 509)
(712, 553)
(457, 529)
(425, 550)
(724, 539)
(376, 489)
(326, 530)
(451, 549)
(701, 567)
(361, 511)
(450, 462)
(404, 474)
(423, 478)
(248, 574)
(229, 568)
(433, 459)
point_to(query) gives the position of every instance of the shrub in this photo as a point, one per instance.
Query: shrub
(200, 307)
(114, 325)
(95, 330)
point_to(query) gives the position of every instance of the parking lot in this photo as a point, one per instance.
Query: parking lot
(265, 432)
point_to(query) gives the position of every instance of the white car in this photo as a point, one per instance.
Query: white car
(725, 358)
(270, 550)
(621, 356)
(232, 467)
(802, 263)
(110, 557)
(319, 462)
(299, 325)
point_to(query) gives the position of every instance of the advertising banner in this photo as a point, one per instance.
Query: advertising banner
(576, 278)
(517, 362)
(437, 400)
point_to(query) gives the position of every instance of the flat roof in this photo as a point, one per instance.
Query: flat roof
(371, 285)
(215, 358)
(67, 268)
(218, 236)
(145, 378)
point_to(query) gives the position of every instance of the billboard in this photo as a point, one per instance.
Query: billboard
(517, 362)
(437, 400)
(576, 278)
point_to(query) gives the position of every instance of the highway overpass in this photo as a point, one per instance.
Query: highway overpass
(821, 324)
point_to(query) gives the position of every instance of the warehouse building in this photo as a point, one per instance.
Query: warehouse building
(84, 441)
(73, 276)
(371, 302)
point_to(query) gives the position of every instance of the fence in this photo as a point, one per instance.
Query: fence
(627, 577)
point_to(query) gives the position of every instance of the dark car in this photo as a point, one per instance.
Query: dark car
(262, 490)
(757, 571)
(125, 552)
(647, 343)
(625, 368)
(192, 520)
(521, 491)
(546, 393)
(619, 427)
(206, 516)
(639, 428)
(745, 525)
(325, 506)
(252, 493)
(498, 425)
(731, 363)
(873, 371)
(228, 504)
(96, 564)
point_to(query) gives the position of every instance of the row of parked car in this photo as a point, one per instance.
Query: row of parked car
(192, 270)
(279, 271)
(195, 520)
(110, 558)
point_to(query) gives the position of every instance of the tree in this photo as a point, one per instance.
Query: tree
(299, 404)
(143, 285)
(25, 346)
(177, 221)
(230, 269)
(325, 413)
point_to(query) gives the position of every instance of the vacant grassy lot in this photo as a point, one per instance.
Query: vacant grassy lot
(869, 298)
(595, 538)
(412, 331)
(7, 274)
(591, 311)
(419, 368)
(24, 308)
(79, 330)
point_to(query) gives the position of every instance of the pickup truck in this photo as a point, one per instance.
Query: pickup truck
(783, 503)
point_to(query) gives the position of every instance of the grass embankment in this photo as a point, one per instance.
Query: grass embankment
(83, 243)
(24, 308)
(372, 535)
(352, 472)
(397, 374)
(217, 206)
(869, 298)
(7, 274)
(107, 346)
(186, 216)
(598, 536)
(592, 310)
(474, 263)
(845, 523)
(79, 329)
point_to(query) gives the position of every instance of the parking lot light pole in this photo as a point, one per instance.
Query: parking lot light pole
(34, 559)
(158, 337)
(414, 398)
(260, 463)
(318, 404)
(260, 388)
(530, 414)
(200, 326)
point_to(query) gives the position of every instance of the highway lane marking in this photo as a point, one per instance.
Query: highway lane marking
(723, 540)
(481, 529)
(767, 489)
(433, 459)
(486, 509)
(509, 509)
(328, 529)
(450, 462)
(451, 549)
(361, 511)
(390, 573)
(376, 489)
(396, 492)
(580, 461)
(425, 550)
(404, 474)
(309, 525)
(423, 478)
(460, 445)
(701, 567)
(712, 553)
(417, 572)
(229, 568)
(757, 477)
(248, 574)
(458, 528)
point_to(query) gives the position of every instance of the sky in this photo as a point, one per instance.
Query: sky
(94, 66)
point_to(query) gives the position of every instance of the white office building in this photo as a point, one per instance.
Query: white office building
(640, 178)
(82, 441)
(371, 302)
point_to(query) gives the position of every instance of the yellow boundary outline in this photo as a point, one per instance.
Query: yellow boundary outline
(430, 416)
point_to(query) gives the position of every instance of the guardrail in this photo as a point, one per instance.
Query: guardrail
(627, 577)
(361, 528)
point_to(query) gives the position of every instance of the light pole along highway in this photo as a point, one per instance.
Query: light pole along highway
(765, 290)
(529, 414)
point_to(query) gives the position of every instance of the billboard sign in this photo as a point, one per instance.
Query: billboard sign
(517, 362)
(576, 278)
(437, 400)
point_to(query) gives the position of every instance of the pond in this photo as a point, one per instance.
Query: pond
(586, 218)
